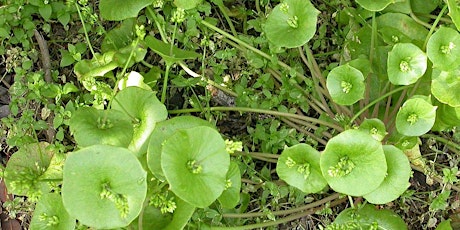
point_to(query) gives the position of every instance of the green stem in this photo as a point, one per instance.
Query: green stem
(264, 111)
(375, 101)
(443, 140)
(223, 9)
(172, 40)
(165, 83)
(433, 27)
(157, 23)
(88, 41)
(129, 58)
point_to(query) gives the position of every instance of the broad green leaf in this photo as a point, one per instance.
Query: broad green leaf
(345, 85)
(374, 5)
(103, 186)
(231, 195)
(397, 179)
(187, 4)
(292, 23)
(143, 107)
(369, 217)
(374, 127)
(454, 12)
(45, 11)
(91, 126)
(96, 67)
(164, 50)
(119, 37)
(443, 49)
(445, 86)
(181, 216)
(26, 167)
(195, 161)
(446, 117)
(444, 225)
(119, 10)
(50, 214)
(405, 25)
(353, 163)
(153, 218)
(164, 130)
(406, 64)
(416, 117)
(299, 167)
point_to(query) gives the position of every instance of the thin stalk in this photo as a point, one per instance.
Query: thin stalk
(86, 32)
(157, 23)
(416, 19)
(129, 58)
(300, 129)
(375, 112)
(223, 9)
(173, 38)
(446, 20)
(371, 60)
(165, 83)
(270, 112)
(375, 101)
(433, 27)
(443, 140)
(309, 125)
(281, 220)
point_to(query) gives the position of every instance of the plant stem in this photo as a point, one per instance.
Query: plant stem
(443, 140)
(223, 9)
(165, 83)
(264, 111)
(300, 129)
(433, 27)
(86, 32)
(283, 220)
(375, 101)
(157, 23)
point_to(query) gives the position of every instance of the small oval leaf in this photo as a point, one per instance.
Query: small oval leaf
(345, 85)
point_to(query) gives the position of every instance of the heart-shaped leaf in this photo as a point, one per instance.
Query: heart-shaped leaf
(91, 126)
(170, 55)
(104, 186)
(119, 10)
(406, 64)
(292, 23)
(345, 84)
(443, 49)
(397, 179)
(353, 163)
(416, 117)
(195, 161)
(299, 166)
(50, 214)
(144, 107)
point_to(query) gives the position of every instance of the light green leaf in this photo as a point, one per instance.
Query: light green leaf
(368, 216)
(406, 64)
(292, 23)
(416, 117)
(119, 10)
(443, 49)
(374, 5)
(374, 127)
(50, 214)
(353, 163)
(164, 50)
(195, 161)
(231, 195)
(445, 86)
(187, 4)
(345, 85)
(103, 186)
(454, 12)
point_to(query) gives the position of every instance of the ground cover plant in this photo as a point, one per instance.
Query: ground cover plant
(226, 114)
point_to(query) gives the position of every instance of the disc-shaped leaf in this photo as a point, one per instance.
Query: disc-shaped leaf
(454, 12)
(374, 5)
(397, 179)
(103, 186)
(407, 27)
(292, 23)
(119, 10)
(445, 86)
(406, 64)
(231, 195)
(195, 163)
(374, 127)
(164, 130)
(443, 48)
(92, 126)
(369, 217)
(144, 107)
(345, 84)
(50, 214)
(164, 50)
(416, 117)
(299, 167)
(353, 163)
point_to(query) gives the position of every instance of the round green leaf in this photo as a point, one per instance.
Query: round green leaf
(367, 217)
(103, 186)
(374, 5)
(146, 109)
(396, 180)
(345, 84)
(445, 86)
(406, 64)
(443, 48)
(164, 130)
(231, 195)
(299, 167)
(187, 4)
(374, 127)
(119, 10)
(91, 126)
(353, 163)
(50, 214)
(292, 23)
(26, 167)
(416, 117)
(195, 163)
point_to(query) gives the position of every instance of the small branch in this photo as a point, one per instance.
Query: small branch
(46, 61)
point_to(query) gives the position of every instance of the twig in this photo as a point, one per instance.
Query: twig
(46, 61)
